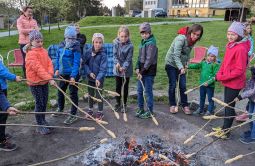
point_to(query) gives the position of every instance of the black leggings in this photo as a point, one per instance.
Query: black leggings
(3, 119)
(119, 83)
(229, 96)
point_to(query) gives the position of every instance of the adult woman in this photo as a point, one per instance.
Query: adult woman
(25, 24)
(176, 61)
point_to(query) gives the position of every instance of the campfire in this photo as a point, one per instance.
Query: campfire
(149, 151)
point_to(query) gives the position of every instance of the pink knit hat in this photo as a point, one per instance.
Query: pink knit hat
(237, 28)
(97, 35)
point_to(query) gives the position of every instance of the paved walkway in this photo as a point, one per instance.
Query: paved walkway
(186, 20)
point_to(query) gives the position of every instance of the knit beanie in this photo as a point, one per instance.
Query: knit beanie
(35, 35)
(97, 35)
(70, 32)
(237, 28)
(213, 50)
(145, 27)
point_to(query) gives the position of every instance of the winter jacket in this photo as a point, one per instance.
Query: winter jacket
(68, 60)
(208, 72)
(178, 54)
(148, 57)
(95, 63)
(249, 91)
(232, 72)
(38, 66)
(4, 103)
(123, 54)
(24, 26)
(5, 75)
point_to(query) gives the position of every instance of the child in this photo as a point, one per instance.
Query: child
(123, 66)
(209, 68)
(39, 68)
(5, 144)
(249, 92)
(67, 67)
(146, 69)
(80, 37)
(232, 72)
(176, 61)
(94, 67)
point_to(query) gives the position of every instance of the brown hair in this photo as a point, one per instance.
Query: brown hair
(246, 25)
(195, 28)
(124, 29)
(25, 8)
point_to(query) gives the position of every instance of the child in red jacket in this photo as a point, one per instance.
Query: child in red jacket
(232, 73)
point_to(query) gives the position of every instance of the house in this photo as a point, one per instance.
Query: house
(149, 5)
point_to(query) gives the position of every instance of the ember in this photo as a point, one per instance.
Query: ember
(150, 151)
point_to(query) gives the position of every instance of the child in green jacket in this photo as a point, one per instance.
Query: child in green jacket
(209, 68)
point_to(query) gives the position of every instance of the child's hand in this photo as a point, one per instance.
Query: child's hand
(139, 76)
(97, 83)
(92, 75)
(72, 81)
(182, 71)
(137, 71)
(121, 69)
(206, 84)
(236, 99)
(56, 73)
(18, 78)
(12, 111)
(117, 66)
(52, 83)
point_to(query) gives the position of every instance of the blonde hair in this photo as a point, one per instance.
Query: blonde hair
(124, 29)
(77, 25)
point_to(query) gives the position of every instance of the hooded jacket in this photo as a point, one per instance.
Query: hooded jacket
(123, 54)
(5, 74)
(232, 72)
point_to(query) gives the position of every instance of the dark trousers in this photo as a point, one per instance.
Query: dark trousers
(119, 83)
(94, 93)
(73, 94)
(40, 94)
(24, 57)
(229, 96)
(3, 119)
(209, 91)
(172, 74)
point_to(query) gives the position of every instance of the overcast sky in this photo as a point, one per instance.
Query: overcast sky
(111, 3)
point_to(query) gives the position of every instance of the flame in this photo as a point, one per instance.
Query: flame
(144, 158)
(151, 152)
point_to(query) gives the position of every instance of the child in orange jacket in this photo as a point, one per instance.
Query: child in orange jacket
(39, 72)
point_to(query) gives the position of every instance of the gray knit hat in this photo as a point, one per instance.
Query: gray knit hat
(237, 28)
(35, 35)
(145, 27)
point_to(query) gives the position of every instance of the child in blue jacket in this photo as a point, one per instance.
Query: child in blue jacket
(67, 67)
(94, 67)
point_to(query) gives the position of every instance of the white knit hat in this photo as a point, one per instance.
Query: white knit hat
(213, 50)
(237, 28)
(97, 35)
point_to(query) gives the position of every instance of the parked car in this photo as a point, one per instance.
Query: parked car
(135, 12)
(161, 14)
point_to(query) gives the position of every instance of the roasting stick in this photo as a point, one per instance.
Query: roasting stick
(178, 94)
(97, 121)
(69, 155)
(238, 157)
(144, 98)
(190, 90)
(122, 98)
(201, 128)
(81, 129)
(227, 105)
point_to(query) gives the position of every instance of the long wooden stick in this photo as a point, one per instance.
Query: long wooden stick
(227, 105)
(97, 121)
(57, 127)
(238, 157)
(67, 156)
(178, 94)
(190, 90)
(145, 101)
(122, 99)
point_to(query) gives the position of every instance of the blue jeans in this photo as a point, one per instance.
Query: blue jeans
(209, 91)
(172, 74)
(252, 124)
(148, 82)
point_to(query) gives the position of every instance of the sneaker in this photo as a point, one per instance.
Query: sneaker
(139, 112)
(222, 135)
(7, 146)
(91, 113)
(197, 112)
(56, 115)
(145, 115)
(43, 130)
(208, 113)
(117, 107)
(186, 110)
(173, 110)
(8, 136)
(247, 140)
(242, 118)
(47, 124)
(99, 116)
(70, 120)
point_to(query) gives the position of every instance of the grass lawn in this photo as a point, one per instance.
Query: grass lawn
(214, 33)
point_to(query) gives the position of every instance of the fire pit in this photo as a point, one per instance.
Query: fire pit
(147, 151)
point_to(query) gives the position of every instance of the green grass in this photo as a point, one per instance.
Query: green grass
(214, 34)
(106, 20)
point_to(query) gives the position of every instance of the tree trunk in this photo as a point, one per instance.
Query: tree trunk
(241, 17)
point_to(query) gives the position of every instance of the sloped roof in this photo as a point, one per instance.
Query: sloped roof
(226, 5)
